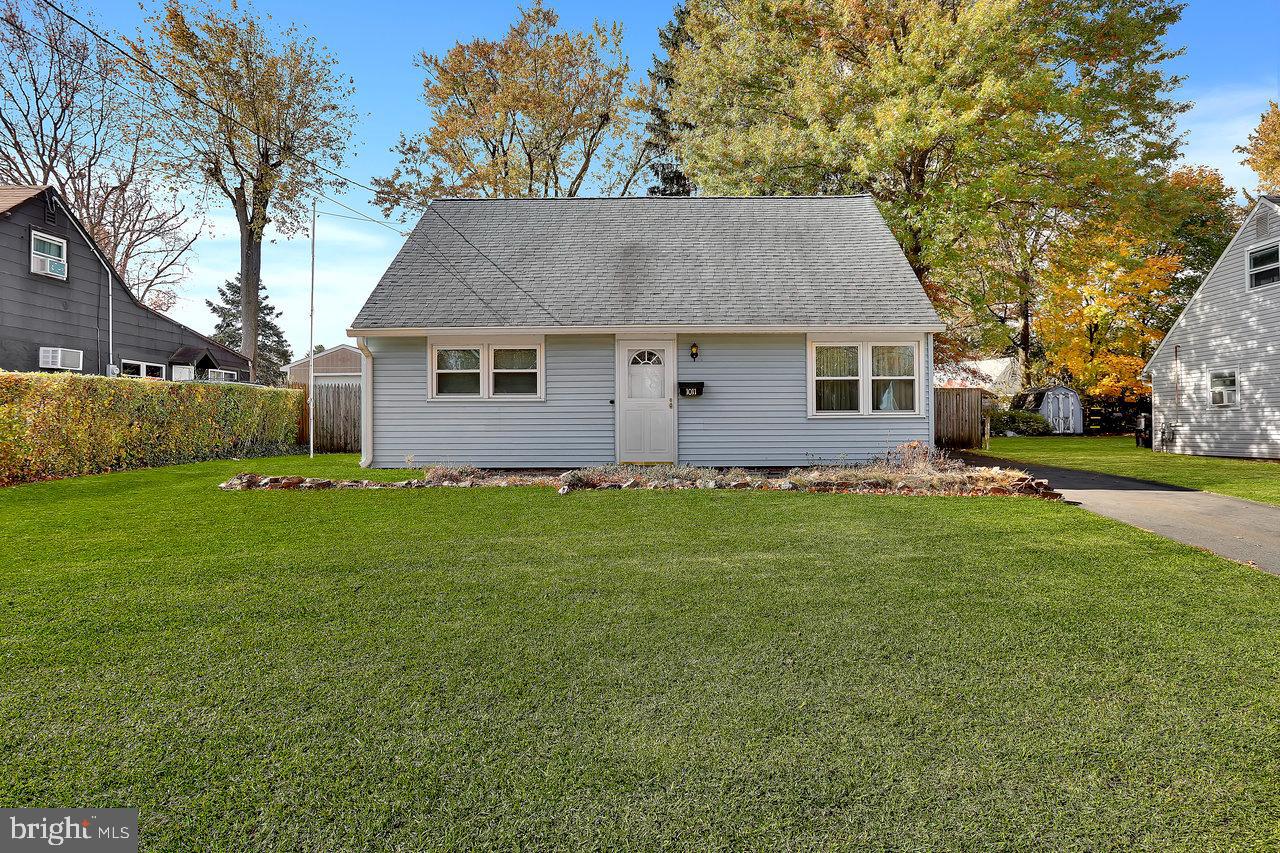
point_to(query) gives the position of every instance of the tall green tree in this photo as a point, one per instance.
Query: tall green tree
(258, 113)
(272, 351)
(976, 124)
(666, 172)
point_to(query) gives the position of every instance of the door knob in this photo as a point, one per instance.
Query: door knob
(670, 405)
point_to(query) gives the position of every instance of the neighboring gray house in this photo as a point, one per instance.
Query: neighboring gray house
(1215, 378)
(62, 307)
(709, 331)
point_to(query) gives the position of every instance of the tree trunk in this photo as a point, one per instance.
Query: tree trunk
(1024, 335)
(250, 283)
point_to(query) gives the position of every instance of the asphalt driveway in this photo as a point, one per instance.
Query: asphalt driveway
(1234, 528)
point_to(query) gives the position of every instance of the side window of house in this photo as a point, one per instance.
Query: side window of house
(836, 386)
(182, 373)
(48, 255)
(1224, 388)
(221, 375)
(141, 369)
(893, 378)
(1264, 266)
(487, 371)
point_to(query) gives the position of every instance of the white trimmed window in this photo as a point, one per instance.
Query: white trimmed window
(863, 378)
(1264, 265)
(487, 371)
(48, 255)
(893, 377)
(220, 375)
(182, 373)
(1224, 388)
(836, 386)
(141, 369)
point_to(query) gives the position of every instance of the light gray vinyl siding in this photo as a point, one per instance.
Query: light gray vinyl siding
(1227, 325)
(572, 427)
(754, 410)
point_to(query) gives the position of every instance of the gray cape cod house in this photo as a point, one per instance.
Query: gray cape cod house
(708, 331)
(1215, 378)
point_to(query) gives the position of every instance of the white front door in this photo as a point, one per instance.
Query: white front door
(646, 401)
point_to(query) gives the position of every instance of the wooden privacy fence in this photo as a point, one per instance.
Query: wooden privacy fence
(958, 417)
(337, 417)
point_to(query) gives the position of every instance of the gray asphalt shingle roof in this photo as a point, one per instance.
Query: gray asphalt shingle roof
(648, 261)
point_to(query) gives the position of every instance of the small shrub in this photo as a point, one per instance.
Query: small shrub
(451, 473)
(1019, 422)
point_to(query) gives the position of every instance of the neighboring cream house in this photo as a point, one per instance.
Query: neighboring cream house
(710, 331)
(1215, 379)
(334, 365)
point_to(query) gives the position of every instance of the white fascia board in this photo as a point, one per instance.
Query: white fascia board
(649, 330)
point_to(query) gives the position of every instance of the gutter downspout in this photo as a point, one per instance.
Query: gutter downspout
(111, 326)
(366, 403)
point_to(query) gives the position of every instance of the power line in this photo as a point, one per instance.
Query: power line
(146, 66)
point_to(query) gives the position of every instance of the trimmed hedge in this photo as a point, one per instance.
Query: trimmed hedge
(65, 424)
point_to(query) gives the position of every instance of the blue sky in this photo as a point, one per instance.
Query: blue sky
(1232, 70)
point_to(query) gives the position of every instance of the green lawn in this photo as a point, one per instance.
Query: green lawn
(1257, 480)
(455, 668)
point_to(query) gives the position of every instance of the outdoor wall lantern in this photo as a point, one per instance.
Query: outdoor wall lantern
(693, 351)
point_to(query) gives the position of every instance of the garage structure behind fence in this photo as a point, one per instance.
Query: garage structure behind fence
(959, 417)
(337, 417)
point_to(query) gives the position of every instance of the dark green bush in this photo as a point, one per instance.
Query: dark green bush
(64, 424)
(1019, 422)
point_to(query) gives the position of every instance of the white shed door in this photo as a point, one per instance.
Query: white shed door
(646, 401)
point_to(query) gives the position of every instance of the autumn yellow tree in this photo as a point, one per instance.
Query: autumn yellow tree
(1262, 154)
(540, 112)
(1103, 312)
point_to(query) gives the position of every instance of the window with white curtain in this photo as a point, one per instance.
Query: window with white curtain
(893, 378)
(863, 378)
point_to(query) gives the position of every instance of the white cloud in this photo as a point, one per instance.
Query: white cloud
(1221, 119)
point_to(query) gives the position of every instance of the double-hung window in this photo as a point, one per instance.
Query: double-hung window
(1264, 265)
(487, 371)
(1224, 388)
(836, 369)
(863, 378)
(48, 255)
(893, 377)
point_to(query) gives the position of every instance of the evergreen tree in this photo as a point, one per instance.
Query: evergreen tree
(668, 176)
(273, 351)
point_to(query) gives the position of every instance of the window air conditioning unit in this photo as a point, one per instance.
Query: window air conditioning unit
(57, 358)
(48, 266)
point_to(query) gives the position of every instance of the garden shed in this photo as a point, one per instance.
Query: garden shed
(1059, 405)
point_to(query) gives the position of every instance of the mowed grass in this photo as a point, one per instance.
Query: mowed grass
(1255, 479)
(454, 668)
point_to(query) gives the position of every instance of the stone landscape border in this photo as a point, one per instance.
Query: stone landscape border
(1007, 482)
